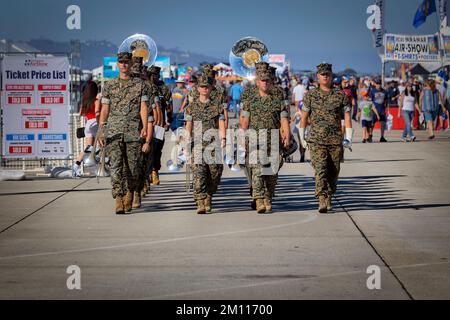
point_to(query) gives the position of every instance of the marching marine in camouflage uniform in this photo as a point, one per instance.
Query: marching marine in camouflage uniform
(263, 110)
(137, 70)
(124, 106)
(205, 112)
(164, 101)
(218, 93)
(325, 107)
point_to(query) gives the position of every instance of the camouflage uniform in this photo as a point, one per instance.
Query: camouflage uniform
(206, 177)
(147, 161)
(123, 137)
(263, 113)
(326, 110)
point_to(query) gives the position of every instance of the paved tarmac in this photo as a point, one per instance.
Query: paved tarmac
(391, 211)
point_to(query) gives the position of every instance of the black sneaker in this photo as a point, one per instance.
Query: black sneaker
(431, 137)
(363, 140)
(302, 159)
(369, 140)
(382, 139)
(253, 204)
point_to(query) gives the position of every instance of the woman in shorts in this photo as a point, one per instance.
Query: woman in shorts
(90, 108)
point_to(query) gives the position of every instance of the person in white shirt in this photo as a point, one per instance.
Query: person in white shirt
(299, 92)
(407, 105)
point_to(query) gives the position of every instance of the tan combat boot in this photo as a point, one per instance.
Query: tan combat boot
(136, 200)
(128, 203)
(208, 203)
(155, 178)
(144, 190)
(268, 205)
(329, 205)
(201, 207)
(260, 206)
(119, 205)
(323, 204)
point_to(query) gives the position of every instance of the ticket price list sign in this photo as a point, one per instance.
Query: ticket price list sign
(35, 104)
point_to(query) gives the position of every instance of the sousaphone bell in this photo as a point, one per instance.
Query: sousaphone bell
(140, 45)
(245, 54)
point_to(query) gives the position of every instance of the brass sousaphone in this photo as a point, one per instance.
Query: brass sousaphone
(245, 54)
(140, 45)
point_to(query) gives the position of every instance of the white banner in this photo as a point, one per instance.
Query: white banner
(412, 48)
(442, 11)
(35, 104)
(375, 23)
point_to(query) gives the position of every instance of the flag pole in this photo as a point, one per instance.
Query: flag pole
(440, 43)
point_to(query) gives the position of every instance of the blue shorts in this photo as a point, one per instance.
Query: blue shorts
(429, 116)
(382, 118)
(366, 124)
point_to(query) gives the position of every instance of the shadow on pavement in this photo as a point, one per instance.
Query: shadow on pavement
(294, 193)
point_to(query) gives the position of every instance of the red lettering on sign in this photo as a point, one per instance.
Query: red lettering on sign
(20, 149)
(36, 124)
(52, 100)
(19, 87)
(52, 87)
(19, 100)
(36, 112)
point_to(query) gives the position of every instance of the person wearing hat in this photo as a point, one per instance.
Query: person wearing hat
(218, 93)
(138, 70)
(179, 94)
(324, 107)
(366, 112)
(263, 112)
(202, 116)
(165, 103)
(380, 99)
(125, 109)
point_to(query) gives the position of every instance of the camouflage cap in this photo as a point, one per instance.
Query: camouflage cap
(210, 73)
(208, 67)
(124, 56)
(154, 70)
(204, 80)
(136, 65)
(324, 68)
(263, 71)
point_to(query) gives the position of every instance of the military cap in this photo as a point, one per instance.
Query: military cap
(136, 65)
(324, 68)
(210, 73)
(263, 71)
(204, 80)
(124, 56)
(208, 67)
(154, 70)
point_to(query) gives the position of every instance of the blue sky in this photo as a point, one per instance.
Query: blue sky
(307, 31)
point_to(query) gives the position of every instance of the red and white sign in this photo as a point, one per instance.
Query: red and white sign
(36, 104)
(277, 58)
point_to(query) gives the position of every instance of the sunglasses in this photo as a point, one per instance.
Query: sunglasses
(125, 61)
